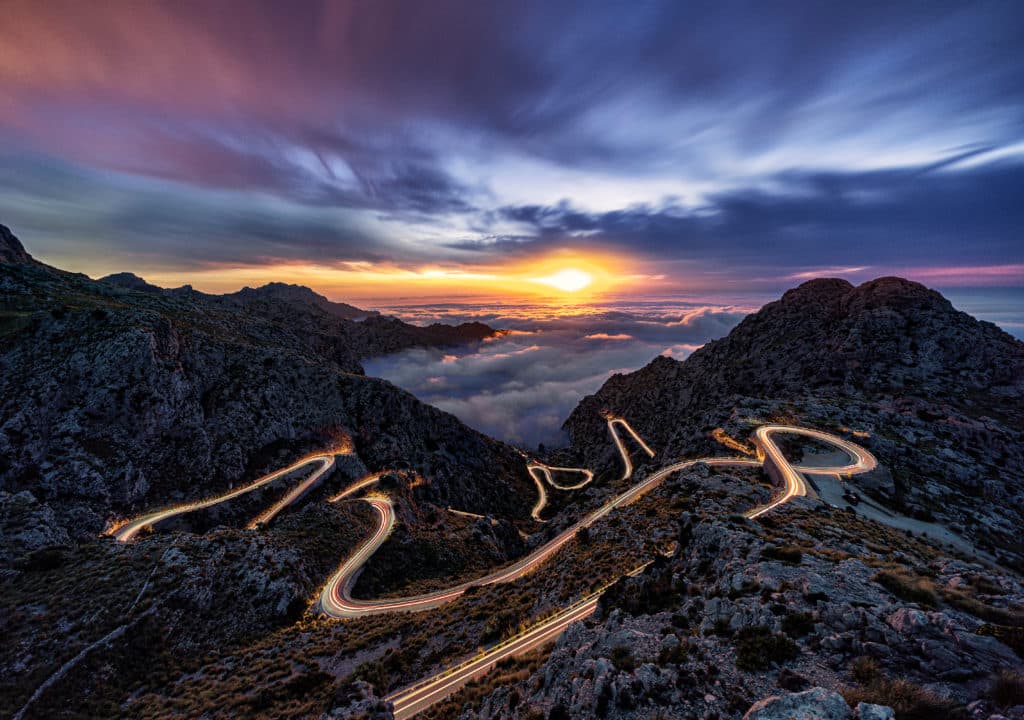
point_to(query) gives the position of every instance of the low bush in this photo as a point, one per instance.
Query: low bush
(757, 647)
(675, 654)
(787, 553)
(1007, 689)
(797, 625)
(48, 558)
(911, 588)
(910, 701)
(622, 658)
(864, 669)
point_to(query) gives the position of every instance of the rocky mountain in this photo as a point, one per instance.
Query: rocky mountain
(11, 249)
(120, 398)
(935, 395)
(344, 333)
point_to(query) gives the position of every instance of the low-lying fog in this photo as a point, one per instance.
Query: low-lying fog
(521, 387)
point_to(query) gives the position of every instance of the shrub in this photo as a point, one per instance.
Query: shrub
(622, 658)
(47, 558)
(788, 554)
(1012, 637)
(864, 670)
(983, 611)
(1007, 689)
(911, 588)
(675, 654)
(910, 701)
(721, 628)
(559, 712)
(797, 624)
(757, 647)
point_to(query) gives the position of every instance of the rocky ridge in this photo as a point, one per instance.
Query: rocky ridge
(935, 395)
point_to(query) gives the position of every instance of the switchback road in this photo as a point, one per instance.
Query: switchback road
(336, 600)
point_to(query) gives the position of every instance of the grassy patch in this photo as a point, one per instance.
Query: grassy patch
(1007, 689)
(788, 554)
(911, 588)
(910, 701)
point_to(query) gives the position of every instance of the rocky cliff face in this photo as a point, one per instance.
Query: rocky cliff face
(936, 395)
(114, 400)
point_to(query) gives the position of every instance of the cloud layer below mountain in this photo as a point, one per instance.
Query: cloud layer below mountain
(520, 387)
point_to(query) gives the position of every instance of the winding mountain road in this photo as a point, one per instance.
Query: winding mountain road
(132, 528)
(336, 599)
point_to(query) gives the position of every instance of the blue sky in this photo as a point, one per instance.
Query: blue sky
(679, 146)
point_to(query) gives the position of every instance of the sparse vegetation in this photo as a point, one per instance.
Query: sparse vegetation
(757, 647)
(1007, 689)
(906, 586)
(864, 669)
(787, 554)
(909, 700)
(797, 625)
(622, 658)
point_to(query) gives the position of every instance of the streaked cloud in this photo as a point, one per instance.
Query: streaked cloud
(715, 145)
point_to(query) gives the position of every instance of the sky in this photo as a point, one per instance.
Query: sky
(393, 152)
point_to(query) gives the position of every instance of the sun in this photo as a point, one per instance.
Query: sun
(568, 280)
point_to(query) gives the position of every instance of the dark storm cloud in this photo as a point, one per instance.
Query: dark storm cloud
(415, 112)
(57, 204)
(944, 213)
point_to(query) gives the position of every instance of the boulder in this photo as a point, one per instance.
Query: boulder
(815, 704)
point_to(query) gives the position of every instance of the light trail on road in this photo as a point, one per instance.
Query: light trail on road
(130, 529)
(335, 599)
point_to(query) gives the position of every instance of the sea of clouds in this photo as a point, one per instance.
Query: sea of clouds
(521, 386)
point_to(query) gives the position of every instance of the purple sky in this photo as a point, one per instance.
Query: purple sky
(722, 145)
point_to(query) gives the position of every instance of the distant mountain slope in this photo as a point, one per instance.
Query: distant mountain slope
(118, 399)
(330, 328)
(940, 394)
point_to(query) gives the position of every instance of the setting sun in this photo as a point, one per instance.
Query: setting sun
(568, 280)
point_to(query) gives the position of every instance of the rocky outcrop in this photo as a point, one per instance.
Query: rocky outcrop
(11, 249)
(130, 281)
(296, 297)
(815, 704)
(342, 333)
(936, 395)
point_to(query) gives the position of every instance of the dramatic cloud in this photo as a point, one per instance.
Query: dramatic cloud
(722, 143)
(894, 219)
(522, 386)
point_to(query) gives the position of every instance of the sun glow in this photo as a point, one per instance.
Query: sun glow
(558, 276)
(568, 280)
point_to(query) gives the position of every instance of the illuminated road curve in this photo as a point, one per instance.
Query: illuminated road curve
(326, 461)
(541, 472)
(336, 599)
(412, 700)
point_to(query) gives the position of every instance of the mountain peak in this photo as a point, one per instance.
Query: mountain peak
(130, 281)
(299, 295)
(11, 249)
